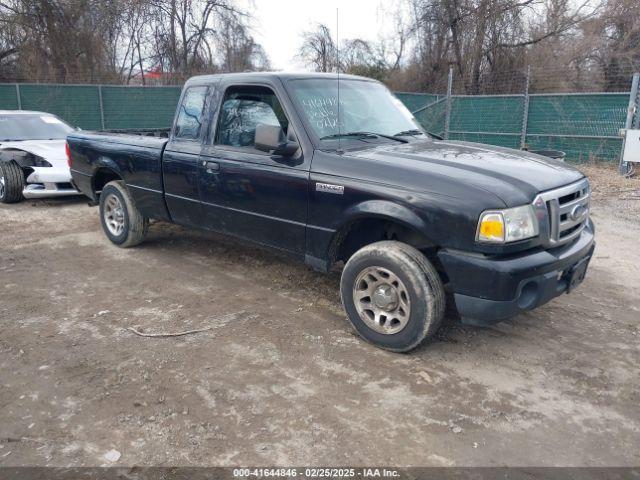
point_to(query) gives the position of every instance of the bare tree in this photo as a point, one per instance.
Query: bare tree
(355, 56)
(359, 57)
(184, 33)
(480, 38)
(64, 40)
(10, 43)
(119, 40)
(612, 40)
(127, 37)
(318, 49)
(239, 52)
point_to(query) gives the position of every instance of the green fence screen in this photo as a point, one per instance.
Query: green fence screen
(122, 107)
(415, 101)
(585, 126)
(494, 120)
(8, 97)
(139, 107)
(79, 105)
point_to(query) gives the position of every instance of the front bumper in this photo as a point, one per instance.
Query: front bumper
(48, 190)
(488, 290)
(47, 182)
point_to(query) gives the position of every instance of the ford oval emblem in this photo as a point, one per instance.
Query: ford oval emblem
(577, 212)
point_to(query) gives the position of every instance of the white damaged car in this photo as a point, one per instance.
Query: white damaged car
(33, 158)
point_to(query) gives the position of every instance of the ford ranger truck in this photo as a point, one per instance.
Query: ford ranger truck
(350, 179)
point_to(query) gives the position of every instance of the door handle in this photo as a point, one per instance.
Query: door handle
(211, 166)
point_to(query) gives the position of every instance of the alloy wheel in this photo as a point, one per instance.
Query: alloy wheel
(381, 300)
(114, 215)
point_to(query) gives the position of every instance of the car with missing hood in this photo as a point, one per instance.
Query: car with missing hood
(33, 162)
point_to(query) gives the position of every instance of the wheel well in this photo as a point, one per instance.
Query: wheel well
(24, 160)
(102, 177)
(364, 231)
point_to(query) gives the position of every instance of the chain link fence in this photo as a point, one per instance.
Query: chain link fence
(96, 107)
(584, 124)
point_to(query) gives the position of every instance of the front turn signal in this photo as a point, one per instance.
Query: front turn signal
(509, 225)
(491, 227)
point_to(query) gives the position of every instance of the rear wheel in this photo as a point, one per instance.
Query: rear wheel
(11, 182)
(393, 295)
(121, 220)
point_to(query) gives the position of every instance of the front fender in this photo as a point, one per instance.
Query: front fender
(373, 209)
(387, 210)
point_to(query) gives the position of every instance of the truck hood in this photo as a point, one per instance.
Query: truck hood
(51, 150)
(514, 176)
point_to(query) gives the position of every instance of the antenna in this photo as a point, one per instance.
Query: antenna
(338, 71)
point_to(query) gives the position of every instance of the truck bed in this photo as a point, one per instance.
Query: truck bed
(145, 132)
(98, 157)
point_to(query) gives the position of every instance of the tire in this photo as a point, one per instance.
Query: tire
(399, 275)
(121, 220)
(11, 182)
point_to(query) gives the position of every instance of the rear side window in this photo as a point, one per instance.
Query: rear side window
(189, 120)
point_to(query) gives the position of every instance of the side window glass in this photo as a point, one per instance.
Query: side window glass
(243, 109)
(189, 120)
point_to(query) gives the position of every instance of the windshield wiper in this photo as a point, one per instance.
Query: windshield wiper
(363, 134)
(417, 132)
(413, 132)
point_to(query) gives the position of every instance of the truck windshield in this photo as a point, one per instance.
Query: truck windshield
(22, 126)
(366, 109)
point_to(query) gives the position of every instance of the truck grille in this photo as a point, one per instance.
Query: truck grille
(567, 211)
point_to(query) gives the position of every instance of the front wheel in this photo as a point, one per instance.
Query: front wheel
(121, 220)
(393, 295)
(11, 182)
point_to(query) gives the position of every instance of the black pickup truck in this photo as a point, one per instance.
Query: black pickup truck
(337, 172)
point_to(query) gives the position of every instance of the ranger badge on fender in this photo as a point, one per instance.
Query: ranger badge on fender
(328, 188)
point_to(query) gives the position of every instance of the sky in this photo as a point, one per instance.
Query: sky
(278, 24)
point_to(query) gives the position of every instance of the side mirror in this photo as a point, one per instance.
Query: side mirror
(271, 138)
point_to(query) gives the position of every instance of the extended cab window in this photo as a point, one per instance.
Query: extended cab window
(189, 119)
(244, 108)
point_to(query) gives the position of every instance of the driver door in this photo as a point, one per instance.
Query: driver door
(248, 193)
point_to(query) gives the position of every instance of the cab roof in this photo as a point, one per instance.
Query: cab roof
(258, 76)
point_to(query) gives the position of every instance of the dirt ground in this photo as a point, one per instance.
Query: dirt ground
(282, 379)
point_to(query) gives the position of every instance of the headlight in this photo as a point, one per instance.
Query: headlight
(510, 225)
